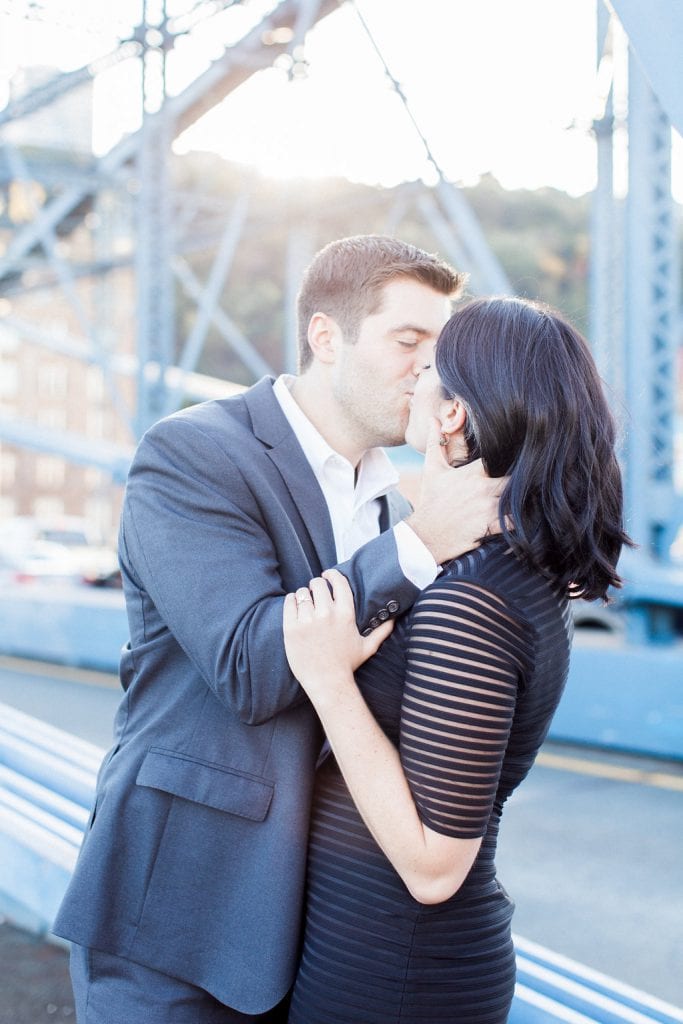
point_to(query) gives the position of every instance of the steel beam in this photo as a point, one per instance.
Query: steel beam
(605, 270)
(224, 324)
(234, 67)
(195, 386)
(651, 321)
(111, 458)
(208, 301)
(300, 250)
(480, 261)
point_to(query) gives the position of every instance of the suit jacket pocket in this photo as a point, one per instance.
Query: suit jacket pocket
(225, 789)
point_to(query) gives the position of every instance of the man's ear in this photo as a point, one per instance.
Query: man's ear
(453, 418)
(324, 337)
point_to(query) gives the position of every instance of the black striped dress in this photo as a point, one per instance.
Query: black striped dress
(484, 655)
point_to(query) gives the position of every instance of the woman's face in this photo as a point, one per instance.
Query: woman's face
(427, 402)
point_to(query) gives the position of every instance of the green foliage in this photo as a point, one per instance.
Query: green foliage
(540, 238)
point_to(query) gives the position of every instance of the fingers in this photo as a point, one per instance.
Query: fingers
(341, 590)
(303, 604)
(321, 594)
(495, 484)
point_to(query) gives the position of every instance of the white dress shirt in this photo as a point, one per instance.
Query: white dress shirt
(353, 500)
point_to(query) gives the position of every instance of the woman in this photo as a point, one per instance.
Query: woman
(405, 920)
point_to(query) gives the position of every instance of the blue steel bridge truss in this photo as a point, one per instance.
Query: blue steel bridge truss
(635, 300)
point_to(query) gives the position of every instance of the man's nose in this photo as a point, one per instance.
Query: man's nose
(421, 357)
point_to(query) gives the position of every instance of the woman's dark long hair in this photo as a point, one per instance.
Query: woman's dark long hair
(537, 413)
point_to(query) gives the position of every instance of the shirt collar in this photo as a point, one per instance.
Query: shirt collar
(376, 472)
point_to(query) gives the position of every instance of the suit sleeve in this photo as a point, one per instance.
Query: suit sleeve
(193, 539)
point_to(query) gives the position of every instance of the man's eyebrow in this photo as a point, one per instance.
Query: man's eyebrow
(412, 328)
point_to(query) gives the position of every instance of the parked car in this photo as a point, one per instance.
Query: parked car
(71, 541)
(109, 580)
(42, 562)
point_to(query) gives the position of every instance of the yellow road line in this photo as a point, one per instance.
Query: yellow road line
(87, 676)
(584, 766)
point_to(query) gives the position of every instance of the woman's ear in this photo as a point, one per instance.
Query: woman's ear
(323, 337)
(453, 418)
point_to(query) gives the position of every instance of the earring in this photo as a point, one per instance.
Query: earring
(443, 440)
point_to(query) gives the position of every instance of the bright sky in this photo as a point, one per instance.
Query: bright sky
(500, 87)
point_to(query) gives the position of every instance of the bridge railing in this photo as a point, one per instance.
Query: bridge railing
(47, 781)
(553, 988)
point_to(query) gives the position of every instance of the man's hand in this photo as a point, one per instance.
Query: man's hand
(455, 507)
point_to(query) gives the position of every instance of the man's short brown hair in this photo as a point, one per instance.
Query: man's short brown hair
(345, 281)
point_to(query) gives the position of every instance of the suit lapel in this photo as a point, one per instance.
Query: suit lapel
(307, 496)
(271, 427)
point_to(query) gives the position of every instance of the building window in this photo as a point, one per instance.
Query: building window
(98, 511)
(94, 479)
(48, 508)
(8, 507)
(94, 424)
(50, 471)
(8, 468)
(53, 379)
(9, 379)
(53, 419)
(95, 384)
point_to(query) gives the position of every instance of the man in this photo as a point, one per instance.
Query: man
(185, 902)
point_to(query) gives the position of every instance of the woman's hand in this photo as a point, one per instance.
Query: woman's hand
(322, 641)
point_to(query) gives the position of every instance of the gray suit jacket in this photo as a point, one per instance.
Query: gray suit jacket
(194, 860)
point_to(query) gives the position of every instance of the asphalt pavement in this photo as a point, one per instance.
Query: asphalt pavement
(35, 987)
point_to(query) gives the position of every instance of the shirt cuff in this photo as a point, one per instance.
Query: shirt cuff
(415, 559)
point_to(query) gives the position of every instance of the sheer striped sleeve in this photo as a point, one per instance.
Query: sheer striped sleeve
(466, 654)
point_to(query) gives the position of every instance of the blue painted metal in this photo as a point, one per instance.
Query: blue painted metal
(655, 32)
(623, 695)
(209, 298)
(486, 272)
(79, 626)
(551, 987)
(651, 601)
(620, 694)
(47, 779)
(41, 825)
(41, 797)
(651, 296)
(635, 316)
(606, 228)
(112, 458)
(154, 219)
(53, 759)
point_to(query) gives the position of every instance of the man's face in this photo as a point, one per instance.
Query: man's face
(374, 378)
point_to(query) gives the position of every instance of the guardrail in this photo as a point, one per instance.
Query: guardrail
(47, 781)
(621, 694)
(552, 989)
(78, 625)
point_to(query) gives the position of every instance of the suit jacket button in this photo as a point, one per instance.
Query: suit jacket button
(392, 606)
(366, 632)
(383, 614)
(373, 623)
